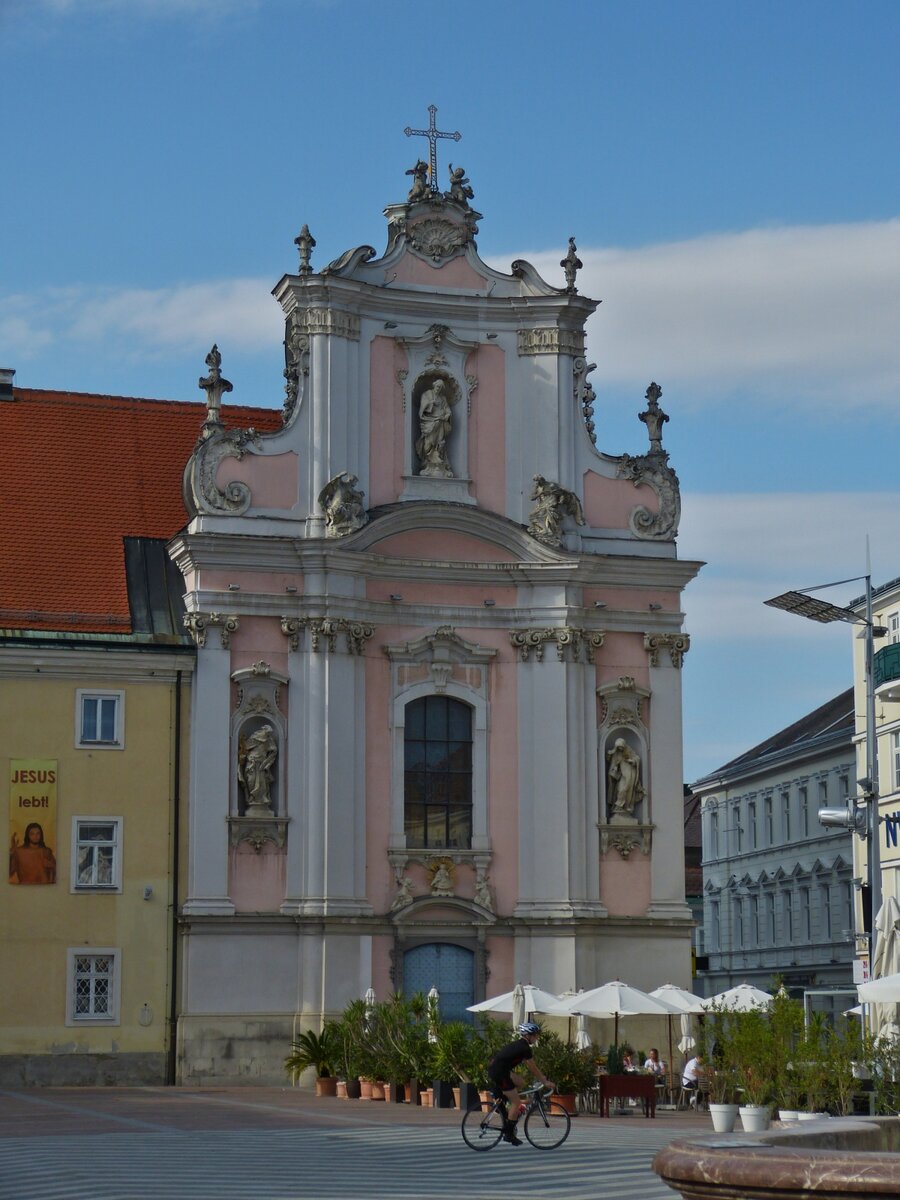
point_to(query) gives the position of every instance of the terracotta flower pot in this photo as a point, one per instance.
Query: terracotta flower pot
(378, 1090)
(341, 1089)
(326, 1085)
(457, 1093)
(567, 1101)
(365, 1089)
(425, 1097)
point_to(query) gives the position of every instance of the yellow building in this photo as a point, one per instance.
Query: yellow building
(95, 671)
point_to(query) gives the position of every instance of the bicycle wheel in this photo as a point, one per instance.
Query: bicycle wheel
(481, 1127)
(547, 1125)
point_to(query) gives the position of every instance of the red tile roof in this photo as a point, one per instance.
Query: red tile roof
(80, 473)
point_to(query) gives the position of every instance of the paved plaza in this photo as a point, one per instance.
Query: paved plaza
(283, 1144)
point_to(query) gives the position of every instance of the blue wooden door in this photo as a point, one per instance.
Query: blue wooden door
(451, 969)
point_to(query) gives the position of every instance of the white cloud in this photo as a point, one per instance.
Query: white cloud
(144, 321)
(809, 312)
(757, 546)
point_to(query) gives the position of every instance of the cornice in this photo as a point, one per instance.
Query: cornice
(83, 662)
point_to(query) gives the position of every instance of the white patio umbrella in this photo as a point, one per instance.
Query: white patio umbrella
(688, 1004)
(536, 1001)
(742, 998)
(616, 999)
(886, 1017)
(370, 1003)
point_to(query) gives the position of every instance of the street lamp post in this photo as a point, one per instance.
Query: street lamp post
(861, 819)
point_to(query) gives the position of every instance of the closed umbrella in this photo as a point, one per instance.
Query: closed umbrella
(743, 998)
(370, 1004)
(518, 1012)
(434, 1013)
(582, 1038)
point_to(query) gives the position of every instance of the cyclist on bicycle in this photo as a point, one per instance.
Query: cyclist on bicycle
(507, 1082)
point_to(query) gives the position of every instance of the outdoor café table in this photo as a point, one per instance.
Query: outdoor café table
(631, 1087)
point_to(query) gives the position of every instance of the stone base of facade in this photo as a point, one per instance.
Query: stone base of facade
(83, 1070)
(234, 1050)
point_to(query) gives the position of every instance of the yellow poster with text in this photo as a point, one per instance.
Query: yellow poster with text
(32, 820)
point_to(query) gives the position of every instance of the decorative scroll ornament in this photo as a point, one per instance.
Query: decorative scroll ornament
(653, 469)
(343, 504)
(324, 631)
(553, 502)
(296, 364)
(677, 645)
(585, 396)
(197, 625)
(625, 841)
(579, 641)
(551, 341)
(331, 321)
(199, 488)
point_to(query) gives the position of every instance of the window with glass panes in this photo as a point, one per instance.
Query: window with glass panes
(786, 810)
(895, 756)
(96, 853)
(93, 985)
(99, 718)
(438, 773)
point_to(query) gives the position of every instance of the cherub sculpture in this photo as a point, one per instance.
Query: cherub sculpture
(460, 191)
(419, 189)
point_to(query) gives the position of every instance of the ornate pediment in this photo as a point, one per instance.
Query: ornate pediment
(441, 651)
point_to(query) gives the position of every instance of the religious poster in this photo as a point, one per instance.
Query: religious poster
(32, 820)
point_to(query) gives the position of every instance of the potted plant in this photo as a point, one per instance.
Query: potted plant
(449, 1056)
(720, 1076)
(316, 1051)
(811, 1066)
(571, 1069)
(786, 1022)
(350, 1041)
(483, 1045)
(752, 1047)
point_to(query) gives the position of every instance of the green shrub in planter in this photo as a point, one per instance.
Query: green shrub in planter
(311, 1049)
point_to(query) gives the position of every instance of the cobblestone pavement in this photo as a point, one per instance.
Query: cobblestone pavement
(283, 1144)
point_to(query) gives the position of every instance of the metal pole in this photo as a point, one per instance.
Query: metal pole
(873, 824)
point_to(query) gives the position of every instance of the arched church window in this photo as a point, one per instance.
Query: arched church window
(438, 773)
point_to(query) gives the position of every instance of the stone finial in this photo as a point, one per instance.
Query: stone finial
(571, 264)
(654, 418)
(305, 243)
(214, 385)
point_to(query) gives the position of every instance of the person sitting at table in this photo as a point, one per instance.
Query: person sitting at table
(628, 1063)
(654, 1064)
(692, 1074)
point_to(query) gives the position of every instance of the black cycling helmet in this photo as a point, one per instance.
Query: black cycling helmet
(529, 1027)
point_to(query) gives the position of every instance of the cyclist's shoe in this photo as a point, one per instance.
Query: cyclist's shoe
(509, 1134)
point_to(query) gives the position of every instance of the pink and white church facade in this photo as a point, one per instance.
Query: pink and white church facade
(436, 725)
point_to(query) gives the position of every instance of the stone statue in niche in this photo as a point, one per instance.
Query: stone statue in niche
(434, 430)
(256, 758)
(343, 505)
(552, 503)
(624, 780)
(442, 879)
(483, 892)
(460, 191)
(419, 189)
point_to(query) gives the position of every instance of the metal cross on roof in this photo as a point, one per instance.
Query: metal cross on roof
(432, 133)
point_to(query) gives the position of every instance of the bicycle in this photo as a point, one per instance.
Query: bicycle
(546, 1123)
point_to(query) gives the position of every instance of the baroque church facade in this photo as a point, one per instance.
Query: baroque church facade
(436, 713)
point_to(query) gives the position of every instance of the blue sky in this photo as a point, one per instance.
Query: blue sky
(730, 173)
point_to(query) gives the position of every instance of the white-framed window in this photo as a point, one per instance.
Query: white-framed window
(714, 924)
(786, 810)
(751, 823)
(804, 812)
(895, 758)
(825, 900)
(787, 908)
(823, 793)
(893, 624)
(99, 719)
(96, 854)
(805, 929)
(769, 901)
(92, 986)
(769, 820)
(714, 833)
(755, 938)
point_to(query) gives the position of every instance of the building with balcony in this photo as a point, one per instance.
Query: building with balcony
(779, 887)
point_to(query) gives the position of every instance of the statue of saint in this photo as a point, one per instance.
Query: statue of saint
(404, 896)
(625, 789)
(442, 881)
(553, 502)
(343, 505)
(434, 430)
(483, 893)
(255, 761)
